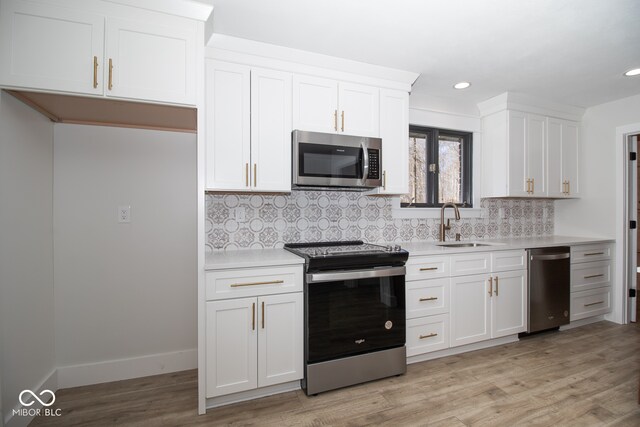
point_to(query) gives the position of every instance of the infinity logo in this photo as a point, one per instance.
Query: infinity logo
(35, 396)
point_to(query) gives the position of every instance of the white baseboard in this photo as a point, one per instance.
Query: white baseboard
(214, 402)
(124, 369)
(50, 382)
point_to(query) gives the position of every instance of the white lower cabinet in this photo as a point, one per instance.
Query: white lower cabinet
(254, 335)
(509, 303)
(591, 269)
(429, 333)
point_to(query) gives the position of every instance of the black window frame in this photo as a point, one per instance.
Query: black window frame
(432, 178)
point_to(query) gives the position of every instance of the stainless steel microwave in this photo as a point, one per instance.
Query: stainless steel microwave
(325, 160)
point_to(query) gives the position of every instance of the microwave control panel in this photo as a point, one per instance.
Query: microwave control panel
(374, 163)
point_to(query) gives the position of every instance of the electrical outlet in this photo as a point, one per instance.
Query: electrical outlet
(241, 214)
(124, 214)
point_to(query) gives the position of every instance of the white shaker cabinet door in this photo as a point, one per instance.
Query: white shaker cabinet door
(232, 328)
(570, 153)
(280, 339)
(47, 47)
(517, 146)
(315, 104)
(359, 110)
(554, 158)
(509, 303)
(535, 154)
(394, 131)
(470, 305)
(150, 62)
(228, 127)
(271, 130)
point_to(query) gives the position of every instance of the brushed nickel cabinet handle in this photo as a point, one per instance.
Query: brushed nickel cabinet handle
(568, 187)
(594, 303)
(253, 316)
(496, 286)
(428, 268)
(594, 253)
(262, 314)
(429, 299)
(342, 121)
(255, 174)
(95, 72)
(533, 185)
(272, 282)
(335, 120)
(110, 74)
(428, 336)
(246, 174)
(490, 286)
(593, 276)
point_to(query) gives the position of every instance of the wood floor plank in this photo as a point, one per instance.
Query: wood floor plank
(586, 376)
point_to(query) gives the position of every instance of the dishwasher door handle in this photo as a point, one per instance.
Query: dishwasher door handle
(549, 257)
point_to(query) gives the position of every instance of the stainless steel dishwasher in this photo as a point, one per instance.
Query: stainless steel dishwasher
(549, 287)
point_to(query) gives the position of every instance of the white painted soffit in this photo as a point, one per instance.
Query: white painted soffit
(194, 9)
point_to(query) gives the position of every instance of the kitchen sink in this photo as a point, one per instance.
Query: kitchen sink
(463, 245)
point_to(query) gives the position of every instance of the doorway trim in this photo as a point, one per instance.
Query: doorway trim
(620, 300)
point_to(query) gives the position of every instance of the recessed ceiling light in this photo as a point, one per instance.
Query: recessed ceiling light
(461, 85)
(634, 72)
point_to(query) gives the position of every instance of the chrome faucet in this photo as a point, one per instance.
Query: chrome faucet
(443, 227)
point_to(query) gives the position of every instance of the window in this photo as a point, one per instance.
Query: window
(439, 168)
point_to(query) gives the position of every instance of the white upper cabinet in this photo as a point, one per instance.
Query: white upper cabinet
(271, 130)
(227, 128)
(394, 131)
(52, 48)
(151, 62)
(315, 102)
(562, 158)
(324, 105)
(248, 128)
(535, 155)
(60, 49)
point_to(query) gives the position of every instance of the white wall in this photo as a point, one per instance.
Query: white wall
(26, 251)
(598, 211)
(125, 293)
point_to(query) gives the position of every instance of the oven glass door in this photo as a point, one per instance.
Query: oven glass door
(350, 317)
(330, 161)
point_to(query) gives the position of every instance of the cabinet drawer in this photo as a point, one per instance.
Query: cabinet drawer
(508, 260)
(590, 275)
(465, 264)
(427, 297)
(222, 284)
(427, 267)
(585, 253)
(427, 334)
(590, 303)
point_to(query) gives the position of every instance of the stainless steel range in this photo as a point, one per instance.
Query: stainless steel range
(354, 313)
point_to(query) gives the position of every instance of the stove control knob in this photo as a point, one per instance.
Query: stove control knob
(389, 248)
(397, 248)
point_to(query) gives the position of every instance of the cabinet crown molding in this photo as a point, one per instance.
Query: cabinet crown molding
(249, 52)
(529, 104)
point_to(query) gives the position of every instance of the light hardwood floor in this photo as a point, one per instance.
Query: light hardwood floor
(587, 376)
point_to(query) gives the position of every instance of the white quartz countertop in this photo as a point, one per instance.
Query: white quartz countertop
(431, 248)
(273, 257)
(250, 258)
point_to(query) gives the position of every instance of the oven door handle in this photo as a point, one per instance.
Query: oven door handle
(365, 161)
(356, 274)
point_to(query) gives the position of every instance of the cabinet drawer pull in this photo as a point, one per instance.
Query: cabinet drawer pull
(110, 74)
(272, 282)
(428, 336)
(253, 317)
(429, 269)
(594, 253)
(594, 303)
(429, 299)
(593, 275)
(262, 314)
(95, 72)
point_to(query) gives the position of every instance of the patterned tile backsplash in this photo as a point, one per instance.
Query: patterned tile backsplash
(270, 220)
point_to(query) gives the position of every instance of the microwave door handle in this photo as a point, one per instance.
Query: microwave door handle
(365, 163)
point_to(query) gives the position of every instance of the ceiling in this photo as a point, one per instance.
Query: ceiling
(567, 51)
